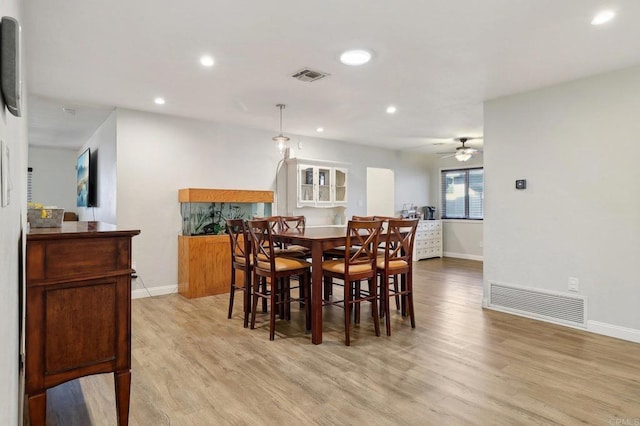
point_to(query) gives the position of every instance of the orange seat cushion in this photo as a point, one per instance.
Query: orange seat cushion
(285, 264)
(394, 264)
(337, 266)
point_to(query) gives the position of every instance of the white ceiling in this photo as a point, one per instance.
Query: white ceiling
(437, 61)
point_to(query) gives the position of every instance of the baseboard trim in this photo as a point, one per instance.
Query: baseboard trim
(141, 293)
(463, 256)
(609, 330)
(616, 331)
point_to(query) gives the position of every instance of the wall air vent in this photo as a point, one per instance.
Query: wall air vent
(536, 303)
(309, 75)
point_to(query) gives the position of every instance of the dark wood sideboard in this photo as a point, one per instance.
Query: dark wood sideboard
(78, 310)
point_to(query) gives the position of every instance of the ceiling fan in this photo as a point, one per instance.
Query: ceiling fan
(462, 153)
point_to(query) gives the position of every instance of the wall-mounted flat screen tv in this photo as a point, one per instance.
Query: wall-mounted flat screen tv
(85, 185)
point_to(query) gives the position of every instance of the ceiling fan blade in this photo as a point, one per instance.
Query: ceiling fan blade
(448, 156)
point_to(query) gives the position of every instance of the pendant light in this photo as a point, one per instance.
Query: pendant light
(281, 140)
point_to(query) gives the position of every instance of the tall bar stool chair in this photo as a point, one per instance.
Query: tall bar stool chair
(275, 223)
(397, 261)
(363, 236)
(240, 261)
(272, 275)
(295, 224)
(339, 253)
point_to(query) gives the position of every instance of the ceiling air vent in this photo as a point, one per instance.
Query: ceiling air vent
(309, 75)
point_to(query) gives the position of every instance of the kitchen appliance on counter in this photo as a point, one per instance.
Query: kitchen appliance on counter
(429, 212)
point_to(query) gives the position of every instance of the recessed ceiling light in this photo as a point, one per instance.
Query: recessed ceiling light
(391, 109)
(355, 57)
(206, 61)
(603, 17)
(159, 101)
(320, 129)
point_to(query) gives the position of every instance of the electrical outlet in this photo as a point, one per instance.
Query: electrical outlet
(574, 284)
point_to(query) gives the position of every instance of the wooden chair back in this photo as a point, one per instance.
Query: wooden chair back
(261, 244)
(363, 236)
(239, 239)
(367, 218)
(398, 240)
(292, 222)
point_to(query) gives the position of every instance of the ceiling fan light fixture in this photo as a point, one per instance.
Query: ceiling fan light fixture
(281, 140)
(462, 155)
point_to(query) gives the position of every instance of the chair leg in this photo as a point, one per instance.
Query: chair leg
(385, 300)
(403, 299)
(347, 312)
(287, 298)
(307, 299)
(374, 300)
(395, 289)
(246, 298)
(327, 284)
(264, 291)
(256, 288)
(356, 296)
(272, 312)
(232, 292)
(410, 301)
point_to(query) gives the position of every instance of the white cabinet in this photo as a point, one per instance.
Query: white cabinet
(428, 241)
(316, 184)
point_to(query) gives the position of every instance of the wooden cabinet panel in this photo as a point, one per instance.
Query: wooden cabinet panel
(85, 332)
(204, 265)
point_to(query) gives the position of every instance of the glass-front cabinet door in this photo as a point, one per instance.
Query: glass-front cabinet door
(324, 185)
(340, 182)
(306, 186)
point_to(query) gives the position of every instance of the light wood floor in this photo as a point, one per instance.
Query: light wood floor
(461, 365)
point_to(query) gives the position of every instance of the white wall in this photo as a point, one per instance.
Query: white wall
(13, 131)
(54, 177)
(577, 146)
(103, 144)
(461, 238)
(159, 154)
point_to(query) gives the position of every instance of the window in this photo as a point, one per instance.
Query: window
(462, 194)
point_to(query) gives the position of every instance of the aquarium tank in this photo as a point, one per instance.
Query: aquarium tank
(209, 218)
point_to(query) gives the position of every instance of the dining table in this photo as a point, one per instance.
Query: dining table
(317, 239)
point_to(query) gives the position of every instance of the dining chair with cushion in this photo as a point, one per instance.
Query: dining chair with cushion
(292, 224)
(275, 223)
(397, 261)
(338, 252)
(353, 269)
(272, 275)
(240, 261)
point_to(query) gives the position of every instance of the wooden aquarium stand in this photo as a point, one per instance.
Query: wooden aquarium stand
(204, 261)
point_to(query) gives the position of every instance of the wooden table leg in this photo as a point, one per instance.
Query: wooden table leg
(316, 293)
(123, 391)
(38, 409)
